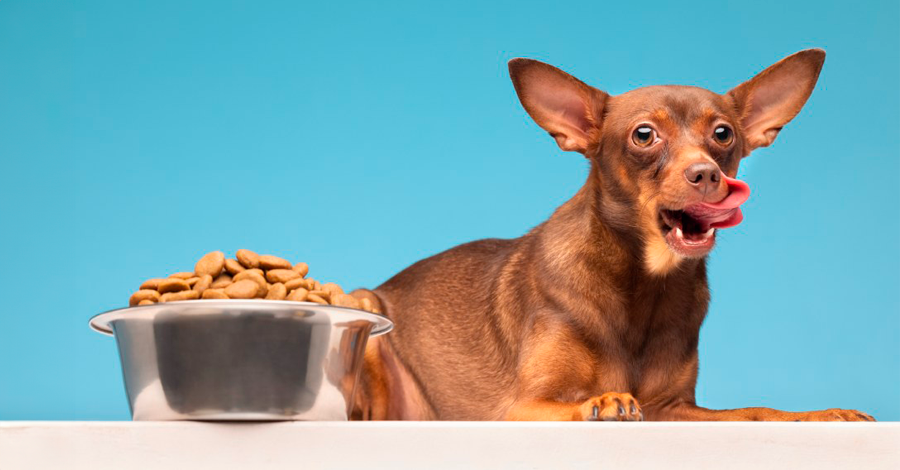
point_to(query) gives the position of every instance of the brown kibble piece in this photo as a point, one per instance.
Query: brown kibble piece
(152, 283)
(181, 275)
(258, 271)
(298, 294)
(248, 258)
(203, 283)
(233, 267)
(295, 283)
(332, 288)
(281, 275)
(172, 285)
(214, 294)
(321, 293)
(302, 269)
(183, 295)
(273, 262)
(243, 289)
(141, 295)
(344, 300)
(315, 298)
(146, 302)
(222, 281)
(277, 291)
(366, 304)
(192, 280)
(252, 275)
(211, 263)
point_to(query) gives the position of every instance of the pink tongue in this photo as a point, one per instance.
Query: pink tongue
(725, 213)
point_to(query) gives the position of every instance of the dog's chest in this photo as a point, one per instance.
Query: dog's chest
(641, 343)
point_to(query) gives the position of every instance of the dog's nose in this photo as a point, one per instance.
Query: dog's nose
(705, 176)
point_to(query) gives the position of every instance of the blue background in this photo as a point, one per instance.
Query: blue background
(136, 136)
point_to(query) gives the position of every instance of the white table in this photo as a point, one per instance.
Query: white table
(435, 445)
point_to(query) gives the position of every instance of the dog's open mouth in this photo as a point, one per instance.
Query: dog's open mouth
(691, 231)
(685, 234)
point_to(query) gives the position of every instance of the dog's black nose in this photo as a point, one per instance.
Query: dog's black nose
(705, 176)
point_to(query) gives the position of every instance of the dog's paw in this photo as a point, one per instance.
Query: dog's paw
(835, 414)
(611, 406)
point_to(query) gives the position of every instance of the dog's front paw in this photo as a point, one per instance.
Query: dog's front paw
(835, 414)
(611, 406)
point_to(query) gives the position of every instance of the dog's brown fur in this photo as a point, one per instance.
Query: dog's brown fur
(591, 315)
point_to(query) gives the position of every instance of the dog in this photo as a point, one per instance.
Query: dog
(594, 314)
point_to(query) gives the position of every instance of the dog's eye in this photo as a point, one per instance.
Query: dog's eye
(643, 136)
(723, 135)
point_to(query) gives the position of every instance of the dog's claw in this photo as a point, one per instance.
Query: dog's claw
(612, 407)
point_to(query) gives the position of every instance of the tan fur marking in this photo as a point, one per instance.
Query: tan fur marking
(658, 258)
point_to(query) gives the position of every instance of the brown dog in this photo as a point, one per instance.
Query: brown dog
(594, 314)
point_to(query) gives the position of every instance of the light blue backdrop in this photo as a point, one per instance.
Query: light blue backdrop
(136, 136)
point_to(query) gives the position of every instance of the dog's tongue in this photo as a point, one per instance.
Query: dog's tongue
(725, 213)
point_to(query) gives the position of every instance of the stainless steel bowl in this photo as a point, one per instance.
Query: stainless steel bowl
(240, 359)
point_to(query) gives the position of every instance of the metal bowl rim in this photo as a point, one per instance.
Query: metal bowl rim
(101, 322)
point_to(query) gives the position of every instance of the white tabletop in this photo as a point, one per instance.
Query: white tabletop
(435, 445)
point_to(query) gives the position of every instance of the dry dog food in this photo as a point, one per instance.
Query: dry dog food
(248, 276)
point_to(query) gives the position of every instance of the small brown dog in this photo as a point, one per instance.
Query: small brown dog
(594, 314)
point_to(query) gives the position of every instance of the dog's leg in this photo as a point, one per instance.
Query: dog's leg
(372, 394)
(610, 406)
(692, 412)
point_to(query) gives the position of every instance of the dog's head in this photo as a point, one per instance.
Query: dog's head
(666, 156)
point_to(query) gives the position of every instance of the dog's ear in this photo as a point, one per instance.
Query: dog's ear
(768, 101)
(561, 104)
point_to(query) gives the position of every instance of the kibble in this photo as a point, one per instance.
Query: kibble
(172, 285)
(251, 275)
(242, 289)
(298, 294)
(248, 258)
(204, 283)
(152, 283)
(324, 294)
(233, 266)
(215, 294)
(332, 288)
(295, 283)
(273, 262)
(182, 295)
(222, 281)
(281, 275)
(142, 295)
(246, 276)
(302, 269)
(210, 263)
(277, 291)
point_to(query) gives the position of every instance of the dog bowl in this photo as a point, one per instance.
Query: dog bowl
(240, 359)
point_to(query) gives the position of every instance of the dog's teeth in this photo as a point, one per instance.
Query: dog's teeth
(709, 233)
(678, 232)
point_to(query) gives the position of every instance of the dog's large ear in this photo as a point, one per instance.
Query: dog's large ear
(561, 104)
(768, 101)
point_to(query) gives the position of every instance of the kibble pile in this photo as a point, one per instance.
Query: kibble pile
(250, 276)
